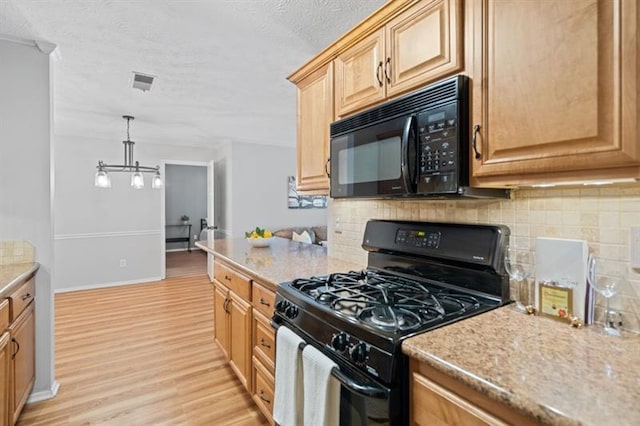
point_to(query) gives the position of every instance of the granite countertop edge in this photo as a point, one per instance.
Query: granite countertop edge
(242, 268)
(15, 274)
(519, 403)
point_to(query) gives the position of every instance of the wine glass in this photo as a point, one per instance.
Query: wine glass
(519, 263)
(608, 286)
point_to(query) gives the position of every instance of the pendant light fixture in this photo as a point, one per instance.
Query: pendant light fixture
(103, 180)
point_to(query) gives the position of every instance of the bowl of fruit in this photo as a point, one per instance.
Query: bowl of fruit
(259, 237)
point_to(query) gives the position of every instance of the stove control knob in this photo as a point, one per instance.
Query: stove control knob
(291, 311)
(358, 353)
(339, 342)
(281, 305)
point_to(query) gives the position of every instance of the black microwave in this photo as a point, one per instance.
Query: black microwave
(416, 145)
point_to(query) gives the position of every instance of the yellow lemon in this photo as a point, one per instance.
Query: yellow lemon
(267, 234)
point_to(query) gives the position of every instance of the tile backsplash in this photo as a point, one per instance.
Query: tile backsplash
(603, 216)
(16, 252)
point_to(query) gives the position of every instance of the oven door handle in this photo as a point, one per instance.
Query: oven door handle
(369, 390)
(353, 386)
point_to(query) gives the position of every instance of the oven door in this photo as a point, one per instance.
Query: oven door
(379, 160)
(363, 400)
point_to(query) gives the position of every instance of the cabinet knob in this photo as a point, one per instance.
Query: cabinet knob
(387, 70)
(268, 401)
(26, 296)
(379, 74)
(265, 344)
(264, 302)
(13, 356)
(476, 130)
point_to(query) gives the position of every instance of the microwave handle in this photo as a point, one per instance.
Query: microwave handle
(326, 167)
(408, 180)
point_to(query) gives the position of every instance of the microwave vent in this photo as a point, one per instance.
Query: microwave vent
(433, 95)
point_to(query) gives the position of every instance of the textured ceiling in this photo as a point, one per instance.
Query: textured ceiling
(220, 64)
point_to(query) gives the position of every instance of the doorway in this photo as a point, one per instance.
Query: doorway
(185, 212)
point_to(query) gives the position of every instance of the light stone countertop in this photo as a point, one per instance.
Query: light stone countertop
(283, 261)
(13, 275)
(546, 369)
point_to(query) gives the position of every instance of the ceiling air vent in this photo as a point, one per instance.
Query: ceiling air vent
(142, 81)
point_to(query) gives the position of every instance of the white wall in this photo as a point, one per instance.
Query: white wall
(25, 194)
(258, 191)
(96, 228)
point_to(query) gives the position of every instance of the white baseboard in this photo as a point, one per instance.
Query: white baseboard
(176, 250)
(44, 394)
(104, 285)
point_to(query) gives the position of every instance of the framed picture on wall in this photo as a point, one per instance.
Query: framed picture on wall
(296, 201)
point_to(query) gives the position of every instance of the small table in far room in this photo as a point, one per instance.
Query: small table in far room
(187, 239)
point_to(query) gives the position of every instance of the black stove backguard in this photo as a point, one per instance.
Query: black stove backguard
(452, 254)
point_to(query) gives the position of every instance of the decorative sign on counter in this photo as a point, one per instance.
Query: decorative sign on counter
(555, 301)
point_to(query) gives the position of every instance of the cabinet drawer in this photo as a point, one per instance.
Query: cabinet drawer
(4, 315)
(236, 282)
(264, 340)
(264, 389)
(21, 297)
(263, 300)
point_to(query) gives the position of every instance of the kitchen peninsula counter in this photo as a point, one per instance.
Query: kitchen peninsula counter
(542, 368)
(282, 261)
(13, 275)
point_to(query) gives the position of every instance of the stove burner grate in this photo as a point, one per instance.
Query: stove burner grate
(385, 301)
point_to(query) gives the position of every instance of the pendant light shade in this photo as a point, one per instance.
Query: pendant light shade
(103, 180)
(137, 180)
(156, 182)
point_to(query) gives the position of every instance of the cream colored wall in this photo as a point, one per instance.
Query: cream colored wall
(602, 216)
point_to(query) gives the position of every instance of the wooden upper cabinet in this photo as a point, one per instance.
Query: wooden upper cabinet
(423, 44)
(416, 47)
(359, 74)
(555, 90)
(315, 114)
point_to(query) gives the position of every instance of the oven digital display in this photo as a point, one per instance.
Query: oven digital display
(421, 239)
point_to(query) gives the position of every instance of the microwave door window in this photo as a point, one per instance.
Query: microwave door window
(370, 163)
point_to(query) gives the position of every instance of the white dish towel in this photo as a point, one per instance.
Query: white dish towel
(287, 406)
(321, 389)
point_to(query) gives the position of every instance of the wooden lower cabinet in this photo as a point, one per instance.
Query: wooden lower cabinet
(264, 387)
(220, 321)
(240, 337)
(23, 339)
(264, 350)
(5, 382)
(438, 399)
(232, 330)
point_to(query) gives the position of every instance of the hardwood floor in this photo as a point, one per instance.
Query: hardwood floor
(183, 263)
(142, 355)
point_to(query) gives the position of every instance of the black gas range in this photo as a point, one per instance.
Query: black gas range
(419, 276)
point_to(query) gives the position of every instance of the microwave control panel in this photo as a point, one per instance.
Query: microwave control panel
(438, 150)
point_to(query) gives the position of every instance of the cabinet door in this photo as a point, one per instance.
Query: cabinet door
(240, 335)
(315, 114)
(264, 389)
(423, 44)
(6, 413)
(220, 318)
(432, 404)
(23, 334)
(359, 74)
(555, 90)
